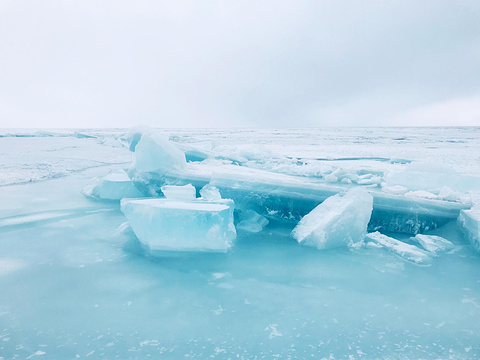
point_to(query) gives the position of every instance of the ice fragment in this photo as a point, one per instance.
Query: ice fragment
(404, 250)
(174, 225)
(186, 192)
(469, 221)
(433, 243)
(155, 153)
(251, 221)
(210, 192)
(114, 186)
(340, 220)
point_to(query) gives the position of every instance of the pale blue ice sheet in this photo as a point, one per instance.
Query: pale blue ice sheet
(81, 288)
(74, 283)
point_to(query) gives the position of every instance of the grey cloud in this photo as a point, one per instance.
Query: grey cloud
(224, 64)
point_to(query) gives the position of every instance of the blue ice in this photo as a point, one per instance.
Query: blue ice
(181, 225)
(79, 278)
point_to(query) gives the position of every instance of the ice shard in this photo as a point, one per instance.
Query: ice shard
(114, 186)
(175, 225)
(469, 221)
(156, 158)
(185, 192)
(210, 192)
(156, 153)
(433, 244)
(251, 221)
(404, 250)
(340, 220)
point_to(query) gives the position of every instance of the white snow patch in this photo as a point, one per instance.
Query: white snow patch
(273, 331)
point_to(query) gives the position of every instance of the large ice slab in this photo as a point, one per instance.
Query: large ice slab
(403, 214)
(114, 186)
(174, 225)
(289, 198)
(404, 250)
(340, 220)
(469, 221)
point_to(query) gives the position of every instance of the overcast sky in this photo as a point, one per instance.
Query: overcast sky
(239, 63)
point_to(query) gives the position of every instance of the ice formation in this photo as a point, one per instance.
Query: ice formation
(284, 197)
(175, 225)
(132, 138)
(411, 215)
(114, 186)
(291, 300)
(431, 177)
(251, 221)
(154, 153)
(185, 192)
(469, 221)
(399, 206)
(210, 192)
(404, 250)
(433, 244)
(340, 220)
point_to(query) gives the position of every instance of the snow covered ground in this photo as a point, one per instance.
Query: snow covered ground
(75, 282)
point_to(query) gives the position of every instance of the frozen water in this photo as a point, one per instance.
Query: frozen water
(75, 282)
(431, 177)
(421, 194)
(210, 192)
(469, 220)
(402, 249)
(42, 155)
(433, 243)
(154, 153)
(449, 194)
(251, 221)
(186, 192)
(176, 225)
(341, 220)
(8, 266)
(412, 214)
(395, 189)
(285, 197)
(32, 218)
(114, 186)
(131, 139)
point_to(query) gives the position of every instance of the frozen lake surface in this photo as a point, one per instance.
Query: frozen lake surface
(75, 281)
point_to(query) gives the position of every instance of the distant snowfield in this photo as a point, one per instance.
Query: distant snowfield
(39, 155)
(76, 283)
(33, 155)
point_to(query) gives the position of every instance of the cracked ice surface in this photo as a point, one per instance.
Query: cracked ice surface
(76, 283)
(27, 156)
